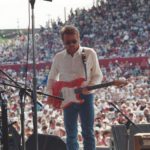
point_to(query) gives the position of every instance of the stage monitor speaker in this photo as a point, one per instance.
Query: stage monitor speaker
(123, 138)
(141, 128)
(46, 142)
(13, 139)
(119, 137)
(142, 141)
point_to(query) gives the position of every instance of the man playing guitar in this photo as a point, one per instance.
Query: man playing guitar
(70, 67)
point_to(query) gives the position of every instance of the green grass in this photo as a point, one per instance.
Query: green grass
(3, 40)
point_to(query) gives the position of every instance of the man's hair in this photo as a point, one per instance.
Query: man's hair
(69, 29)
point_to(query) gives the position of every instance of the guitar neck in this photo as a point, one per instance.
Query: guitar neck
(93, 87)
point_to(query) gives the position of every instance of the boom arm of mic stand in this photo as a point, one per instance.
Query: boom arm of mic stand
(9, 78)
(128, 120)
(30, 90)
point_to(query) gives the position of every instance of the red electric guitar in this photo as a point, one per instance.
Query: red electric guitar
(70, 91)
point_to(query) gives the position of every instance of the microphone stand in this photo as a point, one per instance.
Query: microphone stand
(129, 122)
(22, 105)
(34, 96)
(4, 122)
(21, 94)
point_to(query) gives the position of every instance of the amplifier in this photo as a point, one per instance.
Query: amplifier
(142, 141)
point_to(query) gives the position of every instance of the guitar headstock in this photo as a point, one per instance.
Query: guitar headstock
(119, 83)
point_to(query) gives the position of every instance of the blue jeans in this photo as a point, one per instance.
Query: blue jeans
(86, 113)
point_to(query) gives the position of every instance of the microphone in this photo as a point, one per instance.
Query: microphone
(32, 3)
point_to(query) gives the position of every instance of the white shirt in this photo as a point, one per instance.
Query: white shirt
(67, 68)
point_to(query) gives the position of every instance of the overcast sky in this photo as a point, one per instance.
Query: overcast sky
(14, 13)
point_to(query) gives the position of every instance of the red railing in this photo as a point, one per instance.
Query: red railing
(143, 61)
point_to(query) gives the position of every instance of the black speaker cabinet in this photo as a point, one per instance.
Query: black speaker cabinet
(142, 141)
(46, 142)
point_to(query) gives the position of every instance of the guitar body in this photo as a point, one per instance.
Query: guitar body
(70, 91)
(66, 90)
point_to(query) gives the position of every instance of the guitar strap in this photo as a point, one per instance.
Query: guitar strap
(84, 63)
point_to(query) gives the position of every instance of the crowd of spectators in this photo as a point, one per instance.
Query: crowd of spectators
(118, 28)
(113, 28)
(133, 100)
